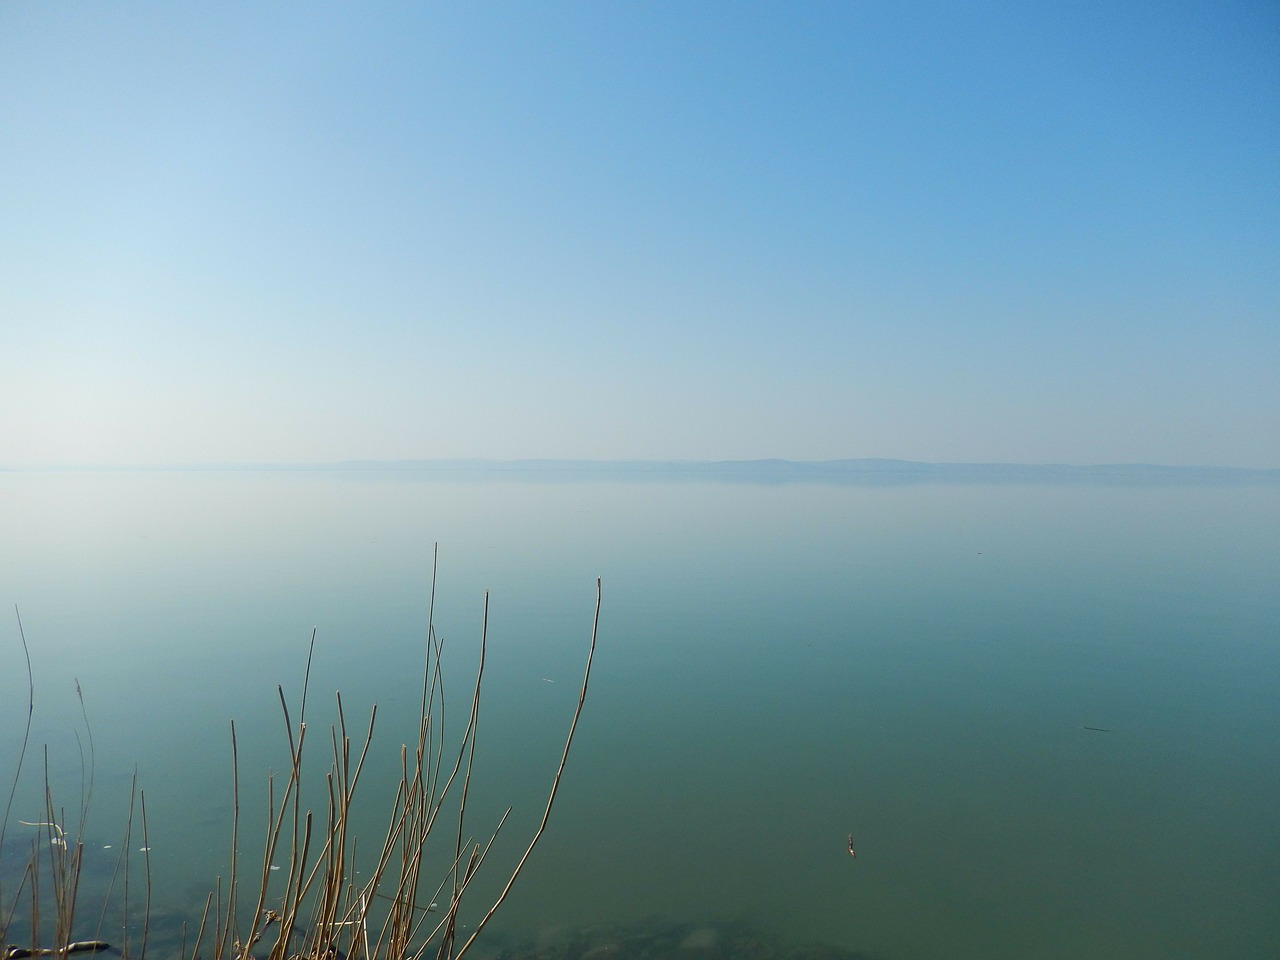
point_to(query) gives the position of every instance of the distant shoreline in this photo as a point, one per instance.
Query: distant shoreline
(854, 471)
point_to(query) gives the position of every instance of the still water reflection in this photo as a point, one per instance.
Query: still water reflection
(1047, 713)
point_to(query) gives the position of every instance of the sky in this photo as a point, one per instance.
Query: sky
(956, 231)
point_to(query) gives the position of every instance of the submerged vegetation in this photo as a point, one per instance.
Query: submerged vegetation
(667, 939)
(308, 897)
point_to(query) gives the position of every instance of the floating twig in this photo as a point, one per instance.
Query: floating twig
(79, 946)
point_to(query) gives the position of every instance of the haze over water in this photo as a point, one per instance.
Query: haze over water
(1046, 712)
(426, 242)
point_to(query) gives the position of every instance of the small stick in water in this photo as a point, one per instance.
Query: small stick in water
(1098, 729)
(851, 853)
(79, 946)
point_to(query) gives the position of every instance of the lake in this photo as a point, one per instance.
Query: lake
(1048, 713)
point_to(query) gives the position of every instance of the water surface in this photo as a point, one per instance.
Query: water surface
(1048, 713)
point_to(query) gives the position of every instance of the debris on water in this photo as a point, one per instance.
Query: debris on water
(547, 680)
(274, 867)
(144, 849)
(82, 946)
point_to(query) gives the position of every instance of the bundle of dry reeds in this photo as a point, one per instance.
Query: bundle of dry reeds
(48, 888)
(322, 911)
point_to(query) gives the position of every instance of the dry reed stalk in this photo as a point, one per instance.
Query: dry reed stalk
(64, 867)
(321, 886)
(341, 912)
(555, 786)
(64, 853)
(204, 919)
(35, 900)
(146, 860)
(6, 920)
(124, 855)
(86, 797)
(223, 930)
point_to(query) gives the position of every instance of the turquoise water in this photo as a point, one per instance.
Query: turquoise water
(778, 666)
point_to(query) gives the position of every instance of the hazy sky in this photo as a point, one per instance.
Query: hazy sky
(936, 231)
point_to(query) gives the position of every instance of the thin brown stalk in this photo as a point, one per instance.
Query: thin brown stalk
(146, 860)
(430, 677)
(111, 884)
(26, 737)
(224, 926)
(128, 835)
(401, 923)
(64, 869)
(277, 816)
(306, 678)
(321, 886)
(35, 898)
(204, 919)
(286, 923)
(86, 800)
(293, 892)
(451, 920)
(364, 926)
(332, 858)
(555, 786)
(479, 863)
(473, 727)
(66, 863)
(415, 818)
(32, 864)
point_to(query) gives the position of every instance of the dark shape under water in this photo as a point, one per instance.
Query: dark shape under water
(664, 939)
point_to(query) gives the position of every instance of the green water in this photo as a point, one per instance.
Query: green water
(778, 666)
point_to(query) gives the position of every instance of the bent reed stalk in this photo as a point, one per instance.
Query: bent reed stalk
(323, 911)
(63, 852)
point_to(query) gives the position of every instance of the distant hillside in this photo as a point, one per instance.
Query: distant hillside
(831, 471)
(861, 471)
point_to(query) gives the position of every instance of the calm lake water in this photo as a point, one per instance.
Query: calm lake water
(1048, 714)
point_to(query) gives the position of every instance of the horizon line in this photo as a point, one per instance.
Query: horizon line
(843, 464)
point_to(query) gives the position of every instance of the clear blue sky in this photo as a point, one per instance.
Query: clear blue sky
(235, 232)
